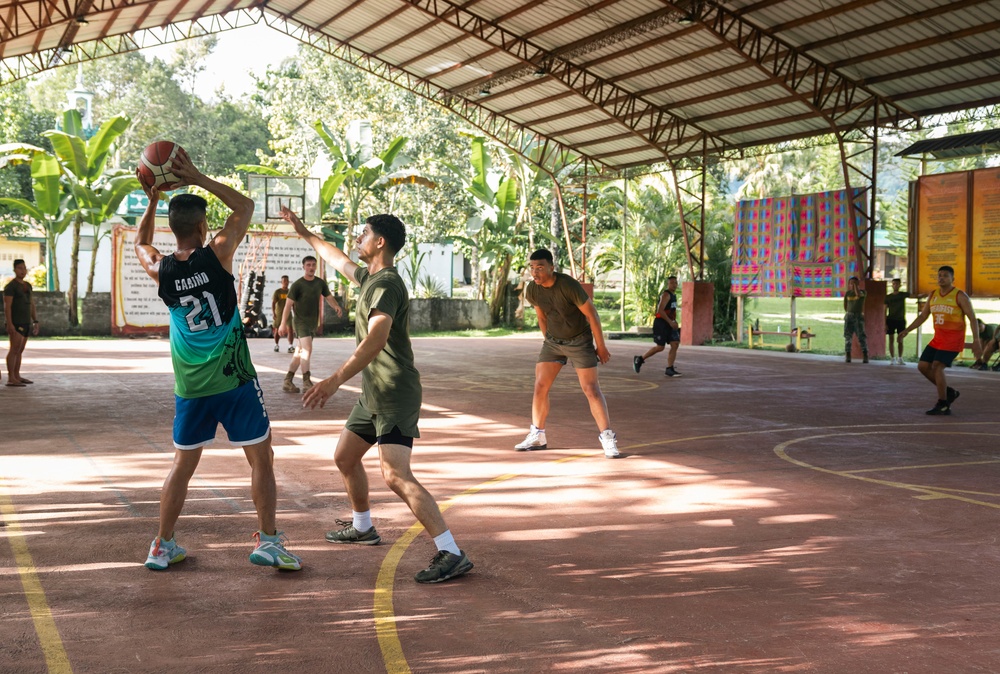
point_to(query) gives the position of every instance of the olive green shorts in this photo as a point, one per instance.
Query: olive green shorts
(367, 425)
(580, 350)
(304, 328)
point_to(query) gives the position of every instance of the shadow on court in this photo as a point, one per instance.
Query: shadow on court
(773, 512)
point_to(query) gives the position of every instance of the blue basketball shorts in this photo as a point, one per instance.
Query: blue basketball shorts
(240, 411)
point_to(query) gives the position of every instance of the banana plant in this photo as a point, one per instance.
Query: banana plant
(495, 228)
(83, 162)
(97, 204)
(51, 210)
(358, 178)
(76, 168)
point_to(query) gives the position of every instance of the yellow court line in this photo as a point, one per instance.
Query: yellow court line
(385, 618)
(48, 635)
(926, 465)
(927, 492)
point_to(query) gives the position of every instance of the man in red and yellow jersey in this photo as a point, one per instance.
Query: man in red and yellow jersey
(949, 306)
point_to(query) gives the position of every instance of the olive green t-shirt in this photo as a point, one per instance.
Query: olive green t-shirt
(855, 304)
(20, 306)
(390, 383)
(561, 305)
(896, 305)
(278, 302)
(306, 295)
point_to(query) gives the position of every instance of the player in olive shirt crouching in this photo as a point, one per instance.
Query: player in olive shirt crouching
(572, 330)
(389, 408)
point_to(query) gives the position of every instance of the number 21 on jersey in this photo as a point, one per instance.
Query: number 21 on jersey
(193, 316)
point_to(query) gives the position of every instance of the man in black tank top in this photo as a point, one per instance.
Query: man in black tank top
(215, 381)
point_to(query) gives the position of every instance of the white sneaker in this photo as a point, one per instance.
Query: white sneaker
(534, 440)
(609, 441)
(164, 553)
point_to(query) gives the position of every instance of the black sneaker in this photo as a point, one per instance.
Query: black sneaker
(637, 362)
(351, 535)
(996, 368)
(445, 565)
(952, 395)
(671, 372)
(940, 409)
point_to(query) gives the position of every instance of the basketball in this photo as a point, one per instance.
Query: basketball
(154, 165)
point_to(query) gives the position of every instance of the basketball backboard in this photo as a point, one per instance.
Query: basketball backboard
(270, 193)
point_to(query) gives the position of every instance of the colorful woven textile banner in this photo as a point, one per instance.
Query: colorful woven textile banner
(797, 246)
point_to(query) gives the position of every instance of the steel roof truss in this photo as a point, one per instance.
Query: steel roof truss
(26, 65)
(505, 131)
(834, 97)
(656, 126)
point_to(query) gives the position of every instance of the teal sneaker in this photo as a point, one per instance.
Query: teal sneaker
(351, 535)
(164, 553)
(445, 565)
(270, 551)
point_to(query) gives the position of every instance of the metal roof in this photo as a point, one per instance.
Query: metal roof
(622, 82)
(959, 145)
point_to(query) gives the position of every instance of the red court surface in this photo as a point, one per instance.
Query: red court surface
(772, 512)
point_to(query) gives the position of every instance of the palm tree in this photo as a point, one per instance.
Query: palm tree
(71, 184)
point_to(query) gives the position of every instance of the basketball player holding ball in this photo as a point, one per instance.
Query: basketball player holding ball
(215, 379)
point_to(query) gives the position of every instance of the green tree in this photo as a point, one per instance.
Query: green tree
(653, 245)
(84, 163)
(162, 100)
(495, 231)
(50, 209)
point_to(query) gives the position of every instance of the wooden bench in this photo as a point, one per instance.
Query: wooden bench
(794, 337)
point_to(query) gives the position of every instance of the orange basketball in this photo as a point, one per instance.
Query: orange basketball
(154, 165)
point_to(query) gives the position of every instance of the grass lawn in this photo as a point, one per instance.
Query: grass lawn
(825, 318)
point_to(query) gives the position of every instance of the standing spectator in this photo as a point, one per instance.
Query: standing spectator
(854, 318)
(21, 319)
(895, 321)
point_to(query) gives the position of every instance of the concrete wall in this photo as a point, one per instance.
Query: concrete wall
(332, 324)
(448, 314)
(96, 318)
(425, 314)
(53, 315)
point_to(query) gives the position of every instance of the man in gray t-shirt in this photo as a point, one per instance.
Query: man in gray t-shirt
(572, 331)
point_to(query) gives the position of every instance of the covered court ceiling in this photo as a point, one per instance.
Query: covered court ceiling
(624, 83)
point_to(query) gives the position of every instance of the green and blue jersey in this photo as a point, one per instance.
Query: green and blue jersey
(207, 344)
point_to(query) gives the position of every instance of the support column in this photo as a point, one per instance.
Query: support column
(697, 312)
(874, 320)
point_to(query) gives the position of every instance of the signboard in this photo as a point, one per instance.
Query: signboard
(943, 205)
(986, 231)
(796, 246)
(135, 306)
(957, 223)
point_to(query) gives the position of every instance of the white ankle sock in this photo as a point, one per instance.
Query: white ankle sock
(446, 541)
(362, 521)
